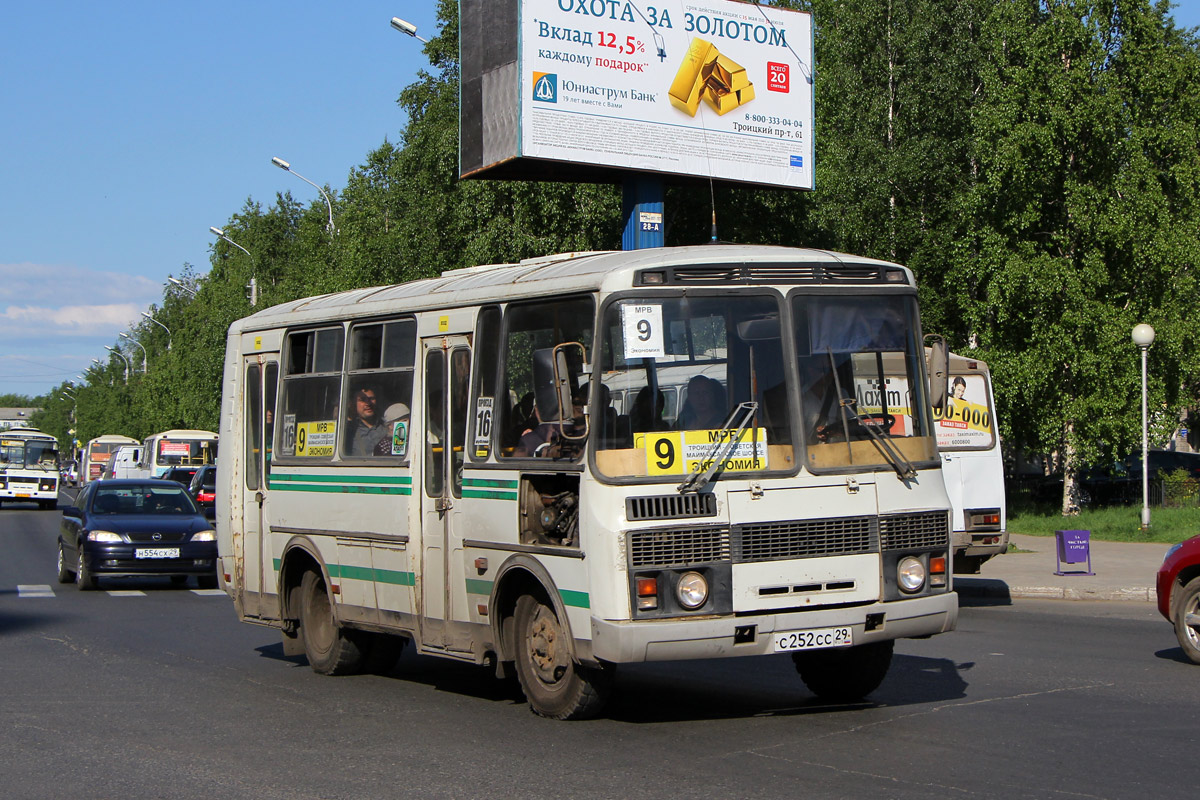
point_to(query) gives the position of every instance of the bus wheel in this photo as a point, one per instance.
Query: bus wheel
(555, 686)
(331, 650)
(846, 674)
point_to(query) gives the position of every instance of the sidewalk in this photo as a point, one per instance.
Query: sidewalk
(1123, 571)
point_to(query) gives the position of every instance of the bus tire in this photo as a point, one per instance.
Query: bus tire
(556, 686)
(331, 650)
(846, 674)
(383, 650)
(1187, 620)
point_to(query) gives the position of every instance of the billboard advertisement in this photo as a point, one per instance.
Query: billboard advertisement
(705, 88)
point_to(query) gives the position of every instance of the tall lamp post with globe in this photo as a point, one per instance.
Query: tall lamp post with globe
(1143, 337)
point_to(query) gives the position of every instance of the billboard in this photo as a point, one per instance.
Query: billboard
(690, 88)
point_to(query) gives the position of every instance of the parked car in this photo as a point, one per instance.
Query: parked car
(1178, 588)
(203, 487)
(135, 527)
(182, 475)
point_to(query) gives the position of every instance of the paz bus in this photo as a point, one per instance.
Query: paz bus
(98, 451)
(440, 462)
(972, 464)
(177, 448)
(29, 467)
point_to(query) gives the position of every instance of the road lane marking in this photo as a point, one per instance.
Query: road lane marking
(34, 590)
(126, 593)
(209, 592)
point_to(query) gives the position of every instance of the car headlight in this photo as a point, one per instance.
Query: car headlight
(104, 536)
(204, 536)
(910, 574)
(692, 590)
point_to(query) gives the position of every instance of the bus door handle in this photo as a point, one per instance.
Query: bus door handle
(443, 504)
(258, 498)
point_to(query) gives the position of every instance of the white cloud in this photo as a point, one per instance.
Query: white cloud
(58, 286)
(76, 320)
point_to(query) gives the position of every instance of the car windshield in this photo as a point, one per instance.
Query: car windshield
(686, 382)
(862, 390)
(142, 499)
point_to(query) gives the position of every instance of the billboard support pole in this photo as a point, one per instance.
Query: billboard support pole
(642, 208)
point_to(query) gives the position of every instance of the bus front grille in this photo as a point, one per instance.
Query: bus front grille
(666, 547)
(924, 530)
(808, 538)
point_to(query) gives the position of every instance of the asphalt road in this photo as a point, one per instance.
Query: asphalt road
(155, 691)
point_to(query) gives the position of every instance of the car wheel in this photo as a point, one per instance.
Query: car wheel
(554, 684)
(845, 674)
(64, 575)
(83, 576)
(331, 649)
(1187, 620)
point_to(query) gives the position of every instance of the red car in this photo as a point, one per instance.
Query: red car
(1179, 594)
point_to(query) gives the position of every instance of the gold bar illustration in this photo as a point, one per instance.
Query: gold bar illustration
(689, 80)
(707, 73)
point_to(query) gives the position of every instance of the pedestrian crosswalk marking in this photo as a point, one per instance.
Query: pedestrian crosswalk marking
(209, 592)
(34, 590)
(126, 593)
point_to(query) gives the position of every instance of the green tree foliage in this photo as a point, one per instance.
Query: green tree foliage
(1036, 162)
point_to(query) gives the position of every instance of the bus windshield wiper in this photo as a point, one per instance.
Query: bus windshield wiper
(719, 450)
(887, 449)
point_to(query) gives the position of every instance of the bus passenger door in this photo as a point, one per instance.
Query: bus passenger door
(447, 361)
(261, 373)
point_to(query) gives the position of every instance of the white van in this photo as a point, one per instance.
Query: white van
(124, 463)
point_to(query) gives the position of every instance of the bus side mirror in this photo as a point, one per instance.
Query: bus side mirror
(939, 372)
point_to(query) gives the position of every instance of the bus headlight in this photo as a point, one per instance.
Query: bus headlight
(692, 590)
(910, 574)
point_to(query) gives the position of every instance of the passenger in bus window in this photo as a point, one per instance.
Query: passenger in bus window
(641, 418)
(704, 408)
(365, 430)
(395, 438)
(545, 440)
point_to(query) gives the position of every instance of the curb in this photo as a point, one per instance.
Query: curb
(999, 589)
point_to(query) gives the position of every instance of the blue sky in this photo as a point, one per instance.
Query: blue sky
(129, 128)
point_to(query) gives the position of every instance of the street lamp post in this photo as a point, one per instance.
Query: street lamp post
(128, 364)
(407, 28)
(1143, 337)
(191, 290)
(145, 355)
(253, 287)
(286, 167)
(159, 324)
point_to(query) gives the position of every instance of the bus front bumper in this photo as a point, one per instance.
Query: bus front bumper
(749, 635)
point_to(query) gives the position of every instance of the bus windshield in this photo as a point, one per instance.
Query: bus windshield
(186, 452)
(687, 381)
(29, 454)
(862, 390)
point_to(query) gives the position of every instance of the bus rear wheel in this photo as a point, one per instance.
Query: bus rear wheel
(331, 649)
(555, 685)
(846, 674)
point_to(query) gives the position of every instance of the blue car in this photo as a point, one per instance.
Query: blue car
(121, 528)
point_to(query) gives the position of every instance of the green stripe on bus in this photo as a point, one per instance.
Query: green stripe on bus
(478, 495)
(576, 599)
(344, 489)
(476, 586)
(290, 477)
(371, 574)
(489, 484)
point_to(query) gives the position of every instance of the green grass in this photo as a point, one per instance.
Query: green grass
(1115, 524)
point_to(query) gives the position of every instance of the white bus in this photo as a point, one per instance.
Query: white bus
(29, 467)
(177, 448)
(439, 462)
(97, 453)
(972, 465)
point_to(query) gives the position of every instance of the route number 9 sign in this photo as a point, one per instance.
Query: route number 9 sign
(642, 324)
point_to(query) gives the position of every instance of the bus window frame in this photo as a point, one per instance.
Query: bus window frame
(285, 356)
